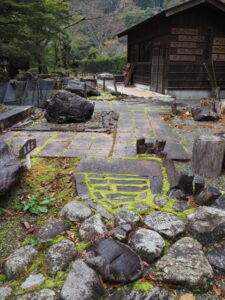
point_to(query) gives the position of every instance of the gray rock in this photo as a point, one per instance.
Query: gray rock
(219, 203)
(216, 258)
(10, 169)
(121, 233)
(204, 113)
(160, 201)
(75, 211)
(34, 279)
(78, 87)
(148, 244)
(186, 265)
(154, 294)
(82, 283)
(44, 294)
(91, 228)
(52, 228)
(141, 207)
(126, 216)
(19, 261)
(181, 206)
(207, 196)
(207, 224)
(106, 76)
(59, 256)
(165, 223)
(177, 194)
(115, 261)
(5, 291)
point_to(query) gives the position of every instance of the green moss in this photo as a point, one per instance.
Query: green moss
(144, 286)
(2, 279)
(166, 248)
(82, 246)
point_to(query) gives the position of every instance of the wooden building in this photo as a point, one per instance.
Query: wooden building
(181, 50)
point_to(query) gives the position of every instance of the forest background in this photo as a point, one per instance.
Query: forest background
(74, 34)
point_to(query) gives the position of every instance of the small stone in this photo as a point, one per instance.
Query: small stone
(165, 223)
(52, 228)
(115, 261)
(44, 294)
(159, 294)
(216, 258)
(91, 228)
(207, 196)
(99, 208)
(207, 224)
(126, 216)
(5, 291)
(160, 201)
(181, 206)
(177, 194)
(75, 211)
(147, 243)
(186, 265)
(59, 256)
(219, 203)
(18, 262)
(120, 235)
(186, 182)
(82, 283)
(141, 207)
(33, 280)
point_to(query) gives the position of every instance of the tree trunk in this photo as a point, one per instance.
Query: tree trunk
(208, 155)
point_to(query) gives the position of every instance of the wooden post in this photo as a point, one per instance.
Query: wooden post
(115, 87)
(85, 90)
(208, 156)
(104, 85)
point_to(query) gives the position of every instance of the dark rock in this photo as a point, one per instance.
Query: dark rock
(44, 294)
(177, 194)
(59, 256)
(160, 201)
(186, 265)
(91, 228)
(165, 223)
(19, 261)
(66, 107)
(204, 113)
(126, 216)
(181, 206)
(82, 283)
(216, 258)
(186, 182)
(10, 169)
(207, 196)
(106, 76)
(75, 211)
(52, 228)
(219, 203)
(207, 224)
(121, 233)
(199, 184)
(147, 243)
(78, 87)
(115, 261)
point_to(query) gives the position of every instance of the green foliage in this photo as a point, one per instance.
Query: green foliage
(115, 64)
(35, 241)
(136, 15)
(35, 205)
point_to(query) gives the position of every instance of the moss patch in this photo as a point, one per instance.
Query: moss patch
(144, 286)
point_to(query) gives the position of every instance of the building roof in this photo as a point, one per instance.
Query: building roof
(175, 10)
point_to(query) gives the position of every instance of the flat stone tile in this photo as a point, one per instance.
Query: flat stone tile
(53, 149)
(124, 150)
(120, 166)
(80, 143)
(125, 137)
(103, 212)
(85, 153)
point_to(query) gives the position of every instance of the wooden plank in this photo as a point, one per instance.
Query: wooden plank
(190, 51)
(191, 38)
(190, 31)
(219, 41)
(183, 45)
(218, 49)
(218, 57)
(182, 57)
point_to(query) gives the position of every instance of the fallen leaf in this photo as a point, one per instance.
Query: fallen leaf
(187, 297)
(217, 290)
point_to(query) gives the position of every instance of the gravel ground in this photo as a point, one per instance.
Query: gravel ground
(187, 129)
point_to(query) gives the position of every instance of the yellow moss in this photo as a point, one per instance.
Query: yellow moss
(82, 246)
(144, 286)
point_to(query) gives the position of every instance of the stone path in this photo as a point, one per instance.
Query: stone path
(135, 121)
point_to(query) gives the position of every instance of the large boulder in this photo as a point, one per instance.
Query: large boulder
(82, 283)
(204, 113)
(75, 211)
(78, 87)
(91, 228)
(115, 261)
(186, 265)
(67, 107)
(207, 224)
(10, 169)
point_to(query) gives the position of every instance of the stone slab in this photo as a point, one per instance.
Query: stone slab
(120, 166)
